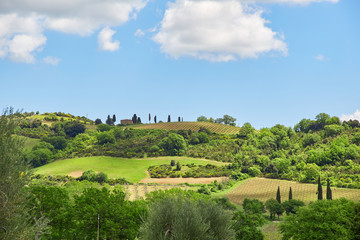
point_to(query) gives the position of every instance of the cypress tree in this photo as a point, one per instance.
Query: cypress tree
(319, 192)
(328, 191)
(138, 120)
(178, 119)
(155, 119)
(149, 118)
(290, 194)
(134, 118)
(169, 119)
(278, 196)
(182, 119)
(114, 118)
(109, 120)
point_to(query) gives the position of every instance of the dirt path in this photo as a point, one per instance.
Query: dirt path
(183, 180)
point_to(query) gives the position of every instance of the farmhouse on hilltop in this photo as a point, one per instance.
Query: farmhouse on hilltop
(126, 121)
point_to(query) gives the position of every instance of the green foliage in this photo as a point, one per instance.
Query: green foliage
(59, 142)
(39, 157)
(246, 226)
(321, 220)
(105, 137)
(292, 206)
(73, 128)
(118, 218)
(333, 130)
(274, 207)
(253, 206)
(14, 210)
(173, 145)
(103, 127)
(182, 218)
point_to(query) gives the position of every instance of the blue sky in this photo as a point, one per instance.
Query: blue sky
(260, 61)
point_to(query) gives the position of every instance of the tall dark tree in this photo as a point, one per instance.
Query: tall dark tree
(155, 119)
(182, 119)
(134, 118)
(138, 120)
(178, 119)
(169, 119)
(278, 196)
(290, 194)
(98, 121)
(149, 118)
(319, 192)
(114, 118)
(109, 121)
(328, 191)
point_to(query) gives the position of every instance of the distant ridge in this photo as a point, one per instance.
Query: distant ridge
(193, 126)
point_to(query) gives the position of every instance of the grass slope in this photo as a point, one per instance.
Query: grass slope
(264, 189)
(194, 126)
(131, 169)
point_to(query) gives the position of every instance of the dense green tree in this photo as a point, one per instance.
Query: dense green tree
(274, 207)
(321, 220)
(103, 127)
(253, 206)
(118, 218)
(134, 118)
(113, 119)
(138, 120)
(246, 226)
(321, 119)
(202, 119)
(14, 210)
(173, 145)
(292, 206)
(39, 157)
(73, 128)
(98, 121)
(290, 194)
(59, 142)
(246, 130)
(105, 137)
(53, 203)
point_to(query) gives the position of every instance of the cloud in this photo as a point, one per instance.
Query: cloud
(354, 116)
(320, 57)
(51, 60)
(217, 31)
(299, 2)
(139, 33)
(105, 40)
(29, 19)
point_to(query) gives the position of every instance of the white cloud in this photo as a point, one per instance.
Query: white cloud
(105, 40)
(299, 2)
(354, 116)
(216, 31)
(51, 60)
(28, 19)
(139, 33)
(320, 57)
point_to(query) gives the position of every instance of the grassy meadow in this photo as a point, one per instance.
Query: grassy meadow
(131, 169)
(264, 189)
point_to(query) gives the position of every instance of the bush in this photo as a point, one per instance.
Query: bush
(105, 137)
(172, 163)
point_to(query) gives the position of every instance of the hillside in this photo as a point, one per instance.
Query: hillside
(193, 126)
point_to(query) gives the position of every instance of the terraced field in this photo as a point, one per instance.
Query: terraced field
(264, 189)
(193, 126)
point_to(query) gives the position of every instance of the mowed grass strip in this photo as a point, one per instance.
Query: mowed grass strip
(194, 126)
(131, 169)
(264, 189)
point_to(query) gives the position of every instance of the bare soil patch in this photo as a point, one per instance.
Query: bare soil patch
(77, 174)
(183, 180)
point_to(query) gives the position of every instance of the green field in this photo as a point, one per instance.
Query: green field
(193, 126)
(131, 169)
(264, 189)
